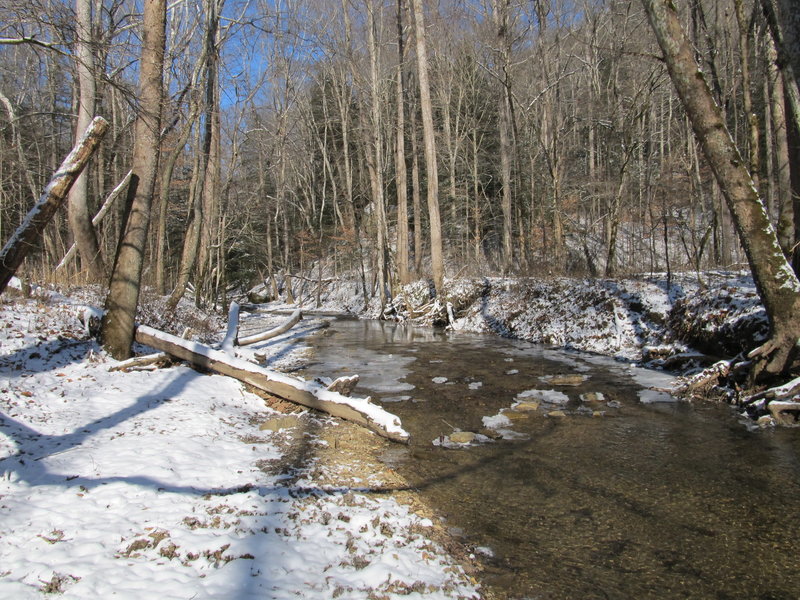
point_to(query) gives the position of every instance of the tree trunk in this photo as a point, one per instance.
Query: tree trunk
(123, 295)
(429, 141)
(191, 240)
(500, 13)
(782, 183)
(416, 201)
(786, 36)
(79, 219)
(777, 284)
(163, 205)
(211, 154)
(375, 154)
(98, 218)
(401, 174)
(745, 33)
(24, 238)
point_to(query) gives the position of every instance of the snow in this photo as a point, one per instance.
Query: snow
(155, 484)
(547, 396)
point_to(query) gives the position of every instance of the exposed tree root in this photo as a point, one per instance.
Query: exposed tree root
(736, 381)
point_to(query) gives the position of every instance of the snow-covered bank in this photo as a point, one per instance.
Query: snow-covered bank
(680, 323)
(169, 483)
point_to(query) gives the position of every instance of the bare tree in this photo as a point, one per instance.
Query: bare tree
(401, 173)
(79, 218)
(500, 12)
(777, 284)
(374, 151)
(123, 295)
(429, 142)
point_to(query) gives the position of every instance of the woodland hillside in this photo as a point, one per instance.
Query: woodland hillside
(404, 141)
(559, 142)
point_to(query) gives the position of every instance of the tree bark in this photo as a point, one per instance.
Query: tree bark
(786, 36)
(500, 13)
(429, 142)
(374, 154)
(782, 184)
(25, 237)
(777, 284)
(79, 219)
(401, 173)
(123, 295)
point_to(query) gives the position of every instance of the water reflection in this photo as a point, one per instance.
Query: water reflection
(661, 500)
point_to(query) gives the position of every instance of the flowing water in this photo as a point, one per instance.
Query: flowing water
(624, 496)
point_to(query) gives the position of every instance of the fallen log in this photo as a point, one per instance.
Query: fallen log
(707, 378)
(358, 410)
(786, 390)
(274, 332)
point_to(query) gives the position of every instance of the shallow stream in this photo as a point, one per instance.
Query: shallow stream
(624, 495)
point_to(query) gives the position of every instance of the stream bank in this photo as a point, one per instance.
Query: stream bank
(680, 323)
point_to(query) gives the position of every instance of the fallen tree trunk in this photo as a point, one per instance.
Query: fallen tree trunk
(358, 410)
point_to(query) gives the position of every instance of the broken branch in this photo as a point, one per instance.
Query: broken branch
(274, 332)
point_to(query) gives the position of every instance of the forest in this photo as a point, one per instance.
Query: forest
(391, 140)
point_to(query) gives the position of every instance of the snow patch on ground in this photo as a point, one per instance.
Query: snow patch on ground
(160, 483)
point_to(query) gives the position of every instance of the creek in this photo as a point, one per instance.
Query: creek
(625, 493)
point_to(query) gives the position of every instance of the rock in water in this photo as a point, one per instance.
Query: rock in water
(462, 437)
(527, 406)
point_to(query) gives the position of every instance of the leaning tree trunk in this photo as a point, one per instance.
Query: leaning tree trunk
(30, 231)
(777, 284)
(123, 294)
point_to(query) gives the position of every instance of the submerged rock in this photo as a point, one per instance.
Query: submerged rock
(565, 379)
(527, 405)
(462, 437)
(514, 415)
(592, 397)
(557, 414)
